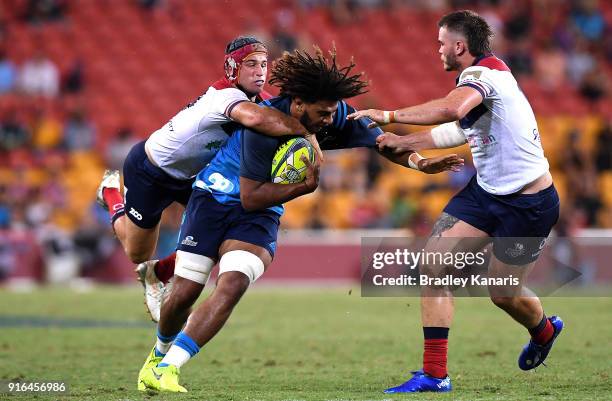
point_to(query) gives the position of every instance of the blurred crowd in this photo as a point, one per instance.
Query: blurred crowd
(52, 152)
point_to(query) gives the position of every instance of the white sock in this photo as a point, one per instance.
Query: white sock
(176, 356)
(163, 347)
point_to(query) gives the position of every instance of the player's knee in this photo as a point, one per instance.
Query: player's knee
(183, 295)
(244, 262)
(231, 286)
(432, 271)
(502, 302)
(137, 256)
(138, 251)
(193, 267)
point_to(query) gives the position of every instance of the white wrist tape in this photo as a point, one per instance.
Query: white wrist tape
(414, 165)
(193, 267)
(243, 262)
(388, 117)
(447, 135)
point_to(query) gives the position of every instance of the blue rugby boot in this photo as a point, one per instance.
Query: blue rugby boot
(422, 382)
(534, 354)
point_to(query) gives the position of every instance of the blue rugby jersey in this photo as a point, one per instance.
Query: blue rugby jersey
(249, 154)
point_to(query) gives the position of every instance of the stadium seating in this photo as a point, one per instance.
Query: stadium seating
(142, 66)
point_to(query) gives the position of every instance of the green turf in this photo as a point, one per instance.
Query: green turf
(303, 345)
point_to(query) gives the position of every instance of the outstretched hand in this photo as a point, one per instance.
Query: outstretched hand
(442, 163)
(377, 116)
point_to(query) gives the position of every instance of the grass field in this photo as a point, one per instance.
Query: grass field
(300, 344)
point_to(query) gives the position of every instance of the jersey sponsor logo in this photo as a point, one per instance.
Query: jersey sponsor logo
(136, 215)
(481, 142)
(214, 145)
(188, 241)
(536, 135)
(471, 75)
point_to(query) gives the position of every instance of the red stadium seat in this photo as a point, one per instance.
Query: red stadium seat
(150, 64)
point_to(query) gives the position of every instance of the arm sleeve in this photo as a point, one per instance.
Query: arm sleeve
(226, 99)
(257, 152)
(352, 133)
(476, 78)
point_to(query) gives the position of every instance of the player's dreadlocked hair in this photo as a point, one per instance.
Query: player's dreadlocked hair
(315, 77)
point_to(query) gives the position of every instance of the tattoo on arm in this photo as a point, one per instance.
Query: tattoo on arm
(445, 222)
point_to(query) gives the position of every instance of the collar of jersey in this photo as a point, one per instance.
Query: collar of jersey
(476, 61)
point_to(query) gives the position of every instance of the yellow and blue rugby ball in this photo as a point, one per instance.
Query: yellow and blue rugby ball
(287, 166)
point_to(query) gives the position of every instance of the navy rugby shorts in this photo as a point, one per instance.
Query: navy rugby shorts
(518, 223)
(207, 223)
(149, 190)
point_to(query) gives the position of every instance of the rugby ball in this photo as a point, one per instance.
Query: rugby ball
(287, 166)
